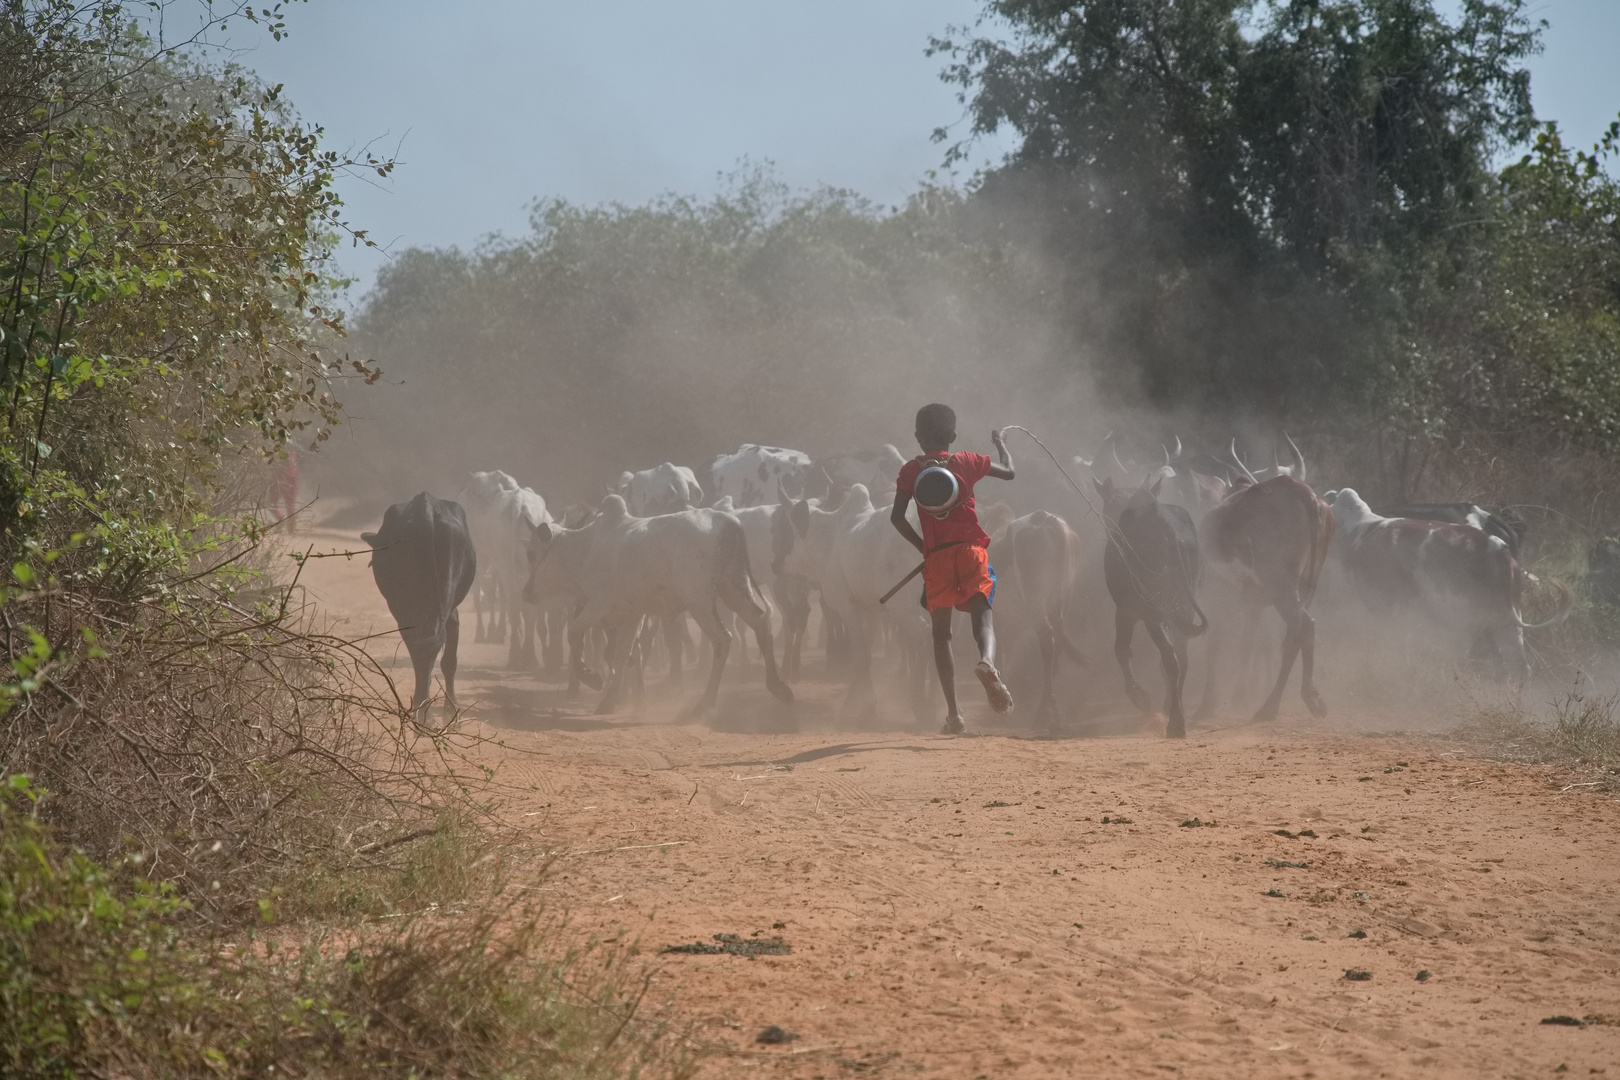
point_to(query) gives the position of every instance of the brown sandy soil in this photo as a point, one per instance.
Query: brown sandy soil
(959, 907)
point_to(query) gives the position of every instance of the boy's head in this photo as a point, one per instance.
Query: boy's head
(936, 427)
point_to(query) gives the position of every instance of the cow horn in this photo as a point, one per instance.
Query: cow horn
(782, 497)
(1299, 458)
(1121, 464)
(1178, 447)
(1239, 462)
(1166, 450)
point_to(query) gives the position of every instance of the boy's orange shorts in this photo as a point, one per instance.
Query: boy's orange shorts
(954, 575)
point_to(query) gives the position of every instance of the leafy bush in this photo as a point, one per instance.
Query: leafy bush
(99, 975)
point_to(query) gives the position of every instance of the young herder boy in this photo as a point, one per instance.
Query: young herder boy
(957, 575)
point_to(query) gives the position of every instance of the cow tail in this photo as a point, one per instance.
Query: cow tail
(1565, 606)
(1198, 628)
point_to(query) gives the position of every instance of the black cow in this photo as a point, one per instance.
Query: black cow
(1603, 571)
(1504, 524)
(424, 563)
(1152, 566)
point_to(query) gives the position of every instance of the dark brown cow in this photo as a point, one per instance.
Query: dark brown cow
(1151, 568)
(1270, 540)
(1458, 574)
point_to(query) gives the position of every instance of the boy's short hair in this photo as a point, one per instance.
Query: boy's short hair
(936, 425)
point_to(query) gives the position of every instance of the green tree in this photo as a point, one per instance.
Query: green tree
(1254, 201)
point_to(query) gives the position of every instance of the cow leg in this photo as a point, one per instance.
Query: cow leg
(1209, 703)
(857, 664)
(447, 663)
(556, 627)
(795, 624)
(1294, 618)
(514, 625)
(835, 641)
(713, 628)
(575, 653)
(676, 638)
(1174, 673)
(1244, 684)
(497, 612)
(1307, 666)
(758, 620)
(1124, 630)
(1046, 714)
(1179, 640)
(534, 629)
(621, 642)
(1509, 644)
(637, 664)
(478, 610)
(422, 654)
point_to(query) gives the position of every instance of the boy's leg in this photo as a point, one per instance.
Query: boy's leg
(941, 619)
(984, 628)
(984, 633)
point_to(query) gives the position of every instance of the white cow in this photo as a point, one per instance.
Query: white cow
(752, 475)
(790, 591)
(855, 555)
(1040, 569)
(875, 470)
(501, 516)
(663, 489)
(626, 568)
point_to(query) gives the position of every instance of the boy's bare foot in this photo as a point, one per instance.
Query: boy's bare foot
(953, 726)
(1001, 701)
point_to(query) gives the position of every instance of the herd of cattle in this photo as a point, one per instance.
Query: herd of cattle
(616, 583)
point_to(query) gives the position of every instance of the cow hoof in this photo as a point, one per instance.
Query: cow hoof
(1175, 730)
(590, 679)
(782, 692)
(1318, 707)
(1266, 715)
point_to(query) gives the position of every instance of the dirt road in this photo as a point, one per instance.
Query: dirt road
(999, 906)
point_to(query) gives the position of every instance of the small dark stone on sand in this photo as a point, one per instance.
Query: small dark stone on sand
(775, 1036)
(1357, 975)
(1423, 976)
(1357, 934)
(1564, 1021)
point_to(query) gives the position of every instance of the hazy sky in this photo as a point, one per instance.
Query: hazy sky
(492, 103)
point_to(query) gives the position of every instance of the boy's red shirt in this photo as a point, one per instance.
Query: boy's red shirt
(961, 525)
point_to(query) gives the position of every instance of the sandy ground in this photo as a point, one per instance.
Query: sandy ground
(1000, 906)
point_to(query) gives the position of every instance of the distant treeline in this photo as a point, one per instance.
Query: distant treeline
(1221, 215)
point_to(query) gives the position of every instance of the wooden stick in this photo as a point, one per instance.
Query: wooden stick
(884, 599)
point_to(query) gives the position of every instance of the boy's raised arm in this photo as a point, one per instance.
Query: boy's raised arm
(1004, 470)
(897, 518)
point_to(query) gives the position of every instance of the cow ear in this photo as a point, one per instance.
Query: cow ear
(369, 539)
(1105, 487)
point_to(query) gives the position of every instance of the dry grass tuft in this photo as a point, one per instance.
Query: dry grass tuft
(1581, 732)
